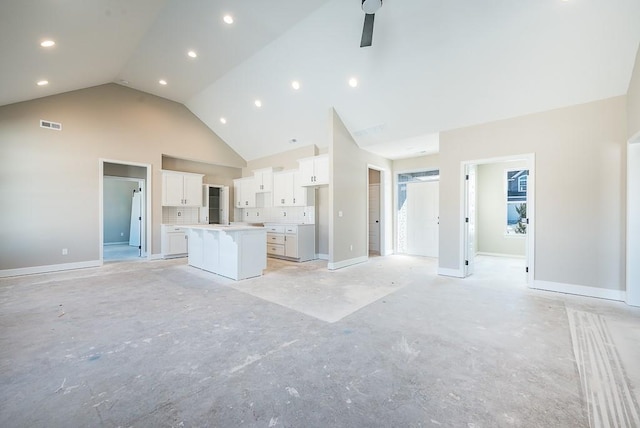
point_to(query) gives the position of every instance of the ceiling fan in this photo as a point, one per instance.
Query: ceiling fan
(370, 7)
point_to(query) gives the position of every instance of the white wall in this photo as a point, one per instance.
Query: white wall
(348, 194)
(52, 177)
(491, 211)
(580, 188)
(633, 100)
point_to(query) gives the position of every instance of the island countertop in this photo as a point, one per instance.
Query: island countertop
(220, 227)
(236, 251)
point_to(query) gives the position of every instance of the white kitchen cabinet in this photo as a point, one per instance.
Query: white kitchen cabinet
(244, 192)
(288, 192)
(181, 189)
(314, 171)
(173, 241)
(291, 241)
(263, 180)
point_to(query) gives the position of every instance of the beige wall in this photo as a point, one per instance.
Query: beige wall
(348, 193)
(51, 177)
(633, 100)
(580, 189)
(285, 160)
(420, 163)
(491, 211)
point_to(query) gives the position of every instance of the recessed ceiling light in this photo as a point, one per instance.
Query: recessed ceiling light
(192, 54)
(43, 82)
(353, 82)
(47, 43)
(228, 19)
(258, 103)
(223, 121)
(162, 82)
(295, 85)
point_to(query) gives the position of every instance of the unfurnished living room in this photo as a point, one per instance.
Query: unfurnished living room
(343, 213)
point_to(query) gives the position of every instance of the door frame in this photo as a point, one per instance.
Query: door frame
(383, 209)
(147, 218)
(464, 253)
(632, 289)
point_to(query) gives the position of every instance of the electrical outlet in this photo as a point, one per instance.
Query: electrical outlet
(339, 213)
(65, 251)
(350, 247)
(121, 233)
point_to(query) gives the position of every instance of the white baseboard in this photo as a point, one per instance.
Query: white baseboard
(456, 273)
(4, 273)
(580, 290)
(322, 256)
(116, 243)
(345, 263)
(512, 256)
(155, 257)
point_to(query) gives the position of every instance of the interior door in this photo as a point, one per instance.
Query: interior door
(470, 219)
(422, 218)
(374, 218)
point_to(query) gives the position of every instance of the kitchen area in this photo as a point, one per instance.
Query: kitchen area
(231, 231)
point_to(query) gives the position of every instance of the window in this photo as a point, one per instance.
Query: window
(522, 183)
(517, 201)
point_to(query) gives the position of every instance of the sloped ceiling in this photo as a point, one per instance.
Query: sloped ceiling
(434, 65)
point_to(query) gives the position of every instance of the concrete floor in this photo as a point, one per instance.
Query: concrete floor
(386, 343)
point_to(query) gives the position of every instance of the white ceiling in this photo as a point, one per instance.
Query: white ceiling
(434, 65)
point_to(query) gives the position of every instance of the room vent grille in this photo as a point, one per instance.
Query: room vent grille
(50, 125)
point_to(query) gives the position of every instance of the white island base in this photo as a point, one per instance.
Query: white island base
(236, 252)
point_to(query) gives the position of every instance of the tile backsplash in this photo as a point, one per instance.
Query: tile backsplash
(302, 215)
(180, 215)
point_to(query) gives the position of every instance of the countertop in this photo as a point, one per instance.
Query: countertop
(219, 227)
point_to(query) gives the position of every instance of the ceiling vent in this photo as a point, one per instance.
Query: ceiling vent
(50, 125)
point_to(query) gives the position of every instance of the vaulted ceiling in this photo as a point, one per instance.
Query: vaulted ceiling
(434, 64)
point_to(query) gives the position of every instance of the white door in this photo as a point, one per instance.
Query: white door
(374, 218)
(470, 219)
(422, 218)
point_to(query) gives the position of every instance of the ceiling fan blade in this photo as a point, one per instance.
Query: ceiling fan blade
(367, 31)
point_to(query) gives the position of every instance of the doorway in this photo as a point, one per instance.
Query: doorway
(374, 212)
(497, 235)
(418, 209)
(124, 210)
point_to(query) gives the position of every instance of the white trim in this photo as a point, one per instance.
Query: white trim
(155, 257)
(580, 290)
(512, 256)
(635, 139)
(322, 256)
(116, 243)
(49, 268)
(147, 183)
(348, 262)
(531, 184)
(456, 273)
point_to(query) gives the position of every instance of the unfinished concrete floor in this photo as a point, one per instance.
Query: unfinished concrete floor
(386, 343)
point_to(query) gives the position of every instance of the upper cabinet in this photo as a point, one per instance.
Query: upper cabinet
(181, 189)
(244, 192)
(263, 179)
(314, 171)
(288, 192)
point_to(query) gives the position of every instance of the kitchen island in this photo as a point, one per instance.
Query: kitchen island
(234, 251)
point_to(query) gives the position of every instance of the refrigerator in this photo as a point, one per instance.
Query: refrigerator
(215, 204)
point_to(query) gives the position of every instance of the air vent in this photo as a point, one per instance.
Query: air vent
(50, 125)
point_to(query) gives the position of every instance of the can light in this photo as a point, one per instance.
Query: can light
(43, 82)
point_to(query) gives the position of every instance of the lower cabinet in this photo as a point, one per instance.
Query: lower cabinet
(173, 241)
(291, 241)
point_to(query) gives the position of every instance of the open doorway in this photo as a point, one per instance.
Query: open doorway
(122, 218)
(418, 213)
(124, 210)
(497, 233)
(374, 212)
